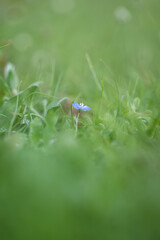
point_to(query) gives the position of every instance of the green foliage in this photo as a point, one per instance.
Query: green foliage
(96, 177)
(86, 181)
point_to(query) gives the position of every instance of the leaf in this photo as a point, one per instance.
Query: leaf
(36, 131)
(7, 110)
(58, 84)
(136, 102)
(56, 103)
(8, 107)
(4, 86)
(95, 78)
(26, 96)
(93, 72)
(11, 78)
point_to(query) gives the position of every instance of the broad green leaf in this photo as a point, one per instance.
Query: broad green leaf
(11, 78)
(36, 131)
(56, 103)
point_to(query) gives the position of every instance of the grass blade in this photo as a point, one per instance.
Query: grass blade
(94, 75)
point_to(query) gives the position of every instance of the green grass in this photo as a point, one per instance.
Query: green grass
(92, 178)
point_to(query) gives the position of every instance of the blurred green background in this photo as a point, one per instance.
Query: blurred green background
(121, 37)
(103, 183)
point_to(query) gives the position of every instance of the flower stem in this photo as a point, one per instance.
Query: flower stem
(72, 115)
(79, 110)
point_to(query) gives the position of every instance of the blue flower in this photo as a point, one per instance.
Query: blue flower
(81, 106)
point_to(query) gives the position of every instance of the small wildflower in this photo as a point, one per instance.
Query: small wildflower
(81, 106)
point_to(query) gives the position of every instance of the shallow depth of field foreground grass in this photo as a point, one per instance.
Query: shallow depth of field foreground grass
(93, 176)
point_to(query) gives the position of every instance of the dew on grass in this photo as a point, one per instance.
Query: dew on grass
(63, 6)
(22, 42)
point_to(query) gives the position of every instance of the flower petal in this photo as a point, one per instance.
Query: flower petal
(76, 105)
(81, 107)
(86, 108)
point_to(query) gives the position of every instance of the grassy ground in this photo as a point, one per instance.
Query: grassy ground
(96, 177)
